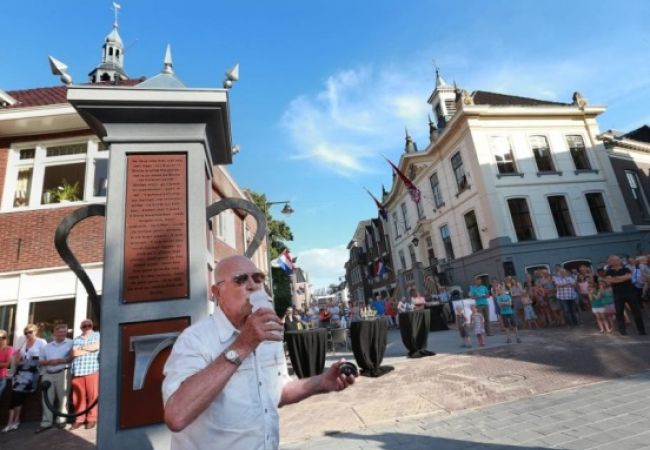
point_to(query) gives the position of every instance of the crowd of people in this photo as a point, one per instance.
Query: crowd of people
(71, 366)
(609, 298)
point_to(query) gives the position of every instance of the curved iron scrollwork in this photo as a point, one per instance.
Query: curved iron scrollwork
(45, 385)
(61, 244)
(240, 203)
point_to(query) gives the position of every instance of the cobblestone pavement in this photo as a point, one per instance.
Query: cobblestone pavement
(404, 408)
(443, 385)
(604, 416)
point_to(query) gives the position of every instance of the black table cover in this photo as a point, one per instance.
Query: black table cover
(414, 329)
(437, 321)
(307, 350)
(369, 345)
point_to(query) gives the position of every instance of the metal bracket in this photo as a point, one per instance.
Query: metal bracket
(146, 349)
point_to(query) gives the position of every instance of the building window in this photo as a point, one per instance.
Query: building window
(500, 146)
(446, 240)
(598, 211)
(48, 174)
(395, 224)
(420, 210)
(578, 152)
(437, 193)
(48, 314)
(561, 215)
(429, 243)
(473, 232)
(637, 193)
(542, 153)
(459, 172)
(402, 259)
(521, 219)
(405, 216)
(414, 258)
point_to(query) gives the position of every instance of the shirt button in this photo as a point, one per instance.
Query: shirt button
(266, 410)
(278, 373)
(260, 383)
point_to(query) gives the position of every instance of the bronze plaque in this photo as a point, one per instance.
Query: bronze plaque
(155, 242)
(144, 406)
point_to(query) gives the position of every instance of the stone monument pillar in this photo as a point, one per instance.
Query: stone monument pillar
(164, 140)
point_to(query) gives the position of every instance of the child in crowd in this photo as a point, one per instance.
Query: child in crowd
(463, 327)
(507, 313)
(597, 307)
(607, 304)
(530, 318)
(478, 323)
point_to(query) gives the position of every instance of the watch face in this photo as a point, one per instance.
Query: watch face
(232, 356)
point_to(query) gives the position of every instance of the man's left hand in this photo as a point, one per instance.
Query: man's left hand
(333, 381)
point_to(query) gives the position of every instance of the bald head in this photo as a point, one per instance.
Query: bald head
(231, 265)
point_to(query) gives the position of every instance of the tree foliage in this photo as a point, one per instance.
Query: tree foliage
(279, 231)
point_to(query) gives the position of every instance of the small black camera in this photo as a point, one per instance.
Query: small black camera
(347, 368)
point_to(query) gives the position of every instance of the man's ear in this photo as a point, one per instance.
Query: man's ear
(215, 291)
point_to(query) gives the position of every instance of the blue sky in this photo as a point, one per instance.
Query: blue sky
(328, 86)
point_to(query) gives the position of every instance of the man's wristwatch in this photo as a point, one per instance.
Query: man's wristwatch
(232, 356)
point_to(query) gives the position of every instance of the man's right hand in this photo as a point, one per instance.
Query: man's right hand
(262, 325)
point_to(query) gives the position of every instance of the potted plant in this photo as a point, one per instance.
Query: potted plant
(65, 193)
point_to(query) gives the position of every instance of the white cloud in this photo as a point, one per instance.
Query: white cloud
(359, 114)
(324, 265)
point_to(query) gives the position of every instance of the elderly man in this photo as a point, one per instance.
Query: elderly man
(227, 375)
(619, 277)
(54, 361)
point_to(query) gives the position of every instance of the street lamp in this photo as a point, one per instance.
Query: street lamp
(286, 210)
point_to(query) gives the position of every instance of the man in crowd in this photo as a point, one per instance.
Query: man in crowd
(479, 292)
(619, 277)
(227, 375)
(565, 285)
(54, 361)
(85, 374)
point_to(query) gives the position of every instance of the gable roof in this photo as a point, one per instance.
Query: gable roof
(641, 134)
(496, 99)
(53, 95)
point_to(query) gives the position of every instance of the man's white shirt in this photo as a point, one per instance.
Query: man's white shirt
(244, 416)
(56, 350)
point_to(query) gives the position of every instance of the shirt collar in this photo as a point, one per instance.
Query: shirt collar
(225, 329)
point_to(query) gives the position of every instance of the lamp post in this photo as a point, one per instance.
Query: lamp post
(286, 210)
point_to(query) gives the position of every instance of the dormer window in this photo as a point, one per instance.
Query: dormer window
(440, 117)
(110, 51)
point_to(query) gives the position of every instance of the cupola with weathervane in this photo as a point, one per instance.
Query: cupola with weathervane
(442, 101)
(111, 68)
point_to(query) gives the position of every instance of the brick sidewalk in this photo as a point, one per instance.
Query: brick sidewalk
(604, 416)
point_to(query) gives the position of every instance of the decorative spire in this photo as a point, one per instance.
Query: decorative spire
(168, 61)
(440, 82)
(409, 146)
(384, 193)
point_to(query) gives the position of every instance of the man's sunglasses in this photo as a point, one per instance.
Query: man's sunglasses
(83, 327)
(28, 332)
(242, 278)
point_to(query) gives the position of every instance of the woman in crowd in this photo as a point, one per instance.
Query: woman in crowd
(6, 352)
(538, 294)
(513, 287)
(551, 298)
(530, 318)
(417, 300)
(597, 297)
(25, 379)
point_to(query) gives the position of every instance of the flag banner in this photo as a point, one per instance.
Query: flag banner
(285, 261)
(380, 207)
(414, 192)
(380, 269)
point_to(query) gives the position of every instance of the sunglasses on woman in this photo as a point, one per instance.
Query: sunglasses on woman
(242, 278)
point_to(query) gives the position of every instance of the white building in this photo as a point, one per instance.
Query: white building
(508, 184)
